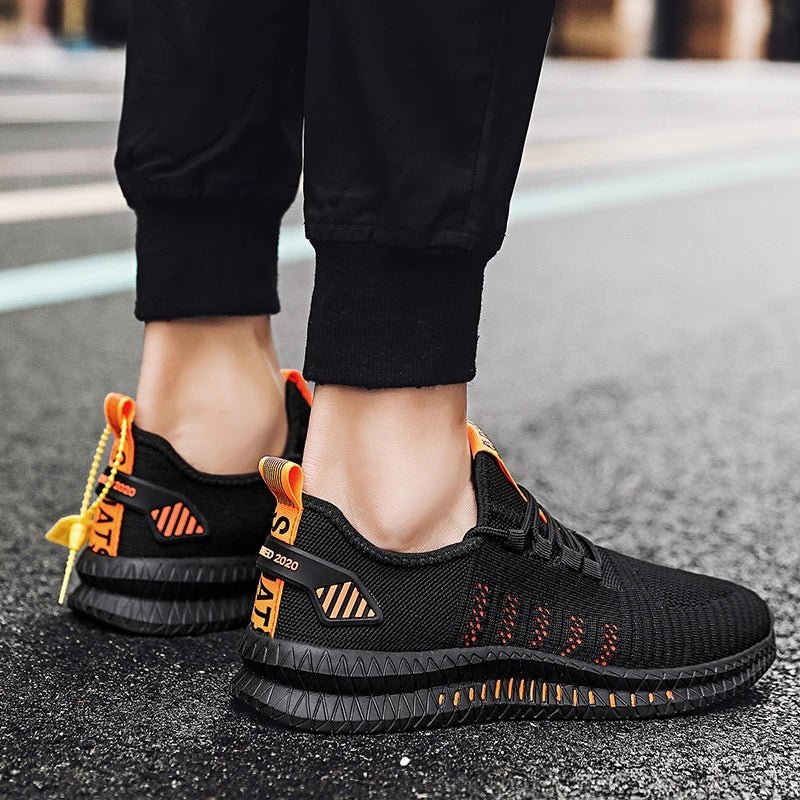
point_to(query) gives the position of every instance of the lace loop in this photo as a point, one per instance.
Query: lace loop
(548, 534)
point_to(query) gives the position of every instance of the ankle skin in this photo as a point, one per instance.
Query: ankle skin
(395, 461)
(212, 387)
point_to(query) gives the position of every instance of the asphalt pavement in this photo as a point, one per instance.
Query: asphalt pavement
(639, 367)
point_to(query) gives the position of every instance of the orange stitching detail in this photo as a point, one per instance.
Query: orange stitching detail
(541, 626)
(609, 644)
(574, 635)
(478, 614)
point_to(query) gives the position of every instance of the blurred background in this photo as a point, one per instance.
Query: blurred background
(638, 367)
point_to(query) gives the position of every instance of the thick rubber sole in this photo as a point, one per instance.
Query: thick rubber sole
(166, 597)
(351, 691)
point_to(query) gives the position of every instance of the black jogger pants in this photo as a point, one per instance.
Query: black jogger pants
(415, 118)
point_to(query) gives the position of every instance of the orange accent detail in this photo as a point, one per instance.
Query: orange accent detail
(508, 620)
(173, 518)
(343, 592)
(608, 646)
(574, 635)
(441, 699)
(119, 486)
(633, 700)
(483, 691)
(285, 480)
(669, 694)
(479, 442)
(180, 527)
(362, 606)
(295, 377)
(650, 696)
(558, 692)
(497, 690)
(541, 626)
(329, 595)
(456, 698)
(521, 691)
(478, 614)
(574, 697)
(591, 697)
(104, 535)
(544, 692)
(543, 516)
(348, 611)
(532, 691)
(612, 700)
(163, 517)
(510, 687)
(471, 694)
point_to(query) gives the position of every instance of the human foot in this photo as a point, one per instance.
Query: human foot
(522, 619)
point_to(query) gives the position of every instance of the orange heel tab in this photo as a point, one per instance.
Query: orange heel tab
(118, 407)
(284, 479)
(296, 377)
(479, 442)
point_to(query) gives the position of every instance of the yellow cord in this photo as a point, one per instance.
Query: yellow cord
(80, 533)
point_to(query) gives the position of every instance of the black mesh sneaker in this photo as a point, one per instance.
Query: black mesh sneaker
(523, 619)
(170, 550)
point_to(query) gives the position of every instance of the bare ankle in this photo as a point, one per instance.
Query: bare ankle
(213, 389)
(395, 461)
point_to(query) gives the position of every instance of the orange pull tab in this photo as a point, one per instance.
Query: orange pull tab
(295, 377)
(285, 480)
(118, 407)
(107, 524)
(479, 442)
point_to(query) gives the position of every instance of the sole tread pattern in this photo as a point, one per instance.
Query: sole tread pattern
(326, 691)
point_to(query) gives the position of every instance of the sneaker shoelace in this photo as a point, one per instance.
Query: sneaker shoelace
(544, 536)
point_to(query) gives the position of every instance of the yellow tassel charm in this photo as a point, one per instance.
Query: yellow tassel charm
(73, 530)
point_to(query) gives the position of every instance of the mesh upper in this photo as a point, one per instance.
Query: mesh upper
(636, 615)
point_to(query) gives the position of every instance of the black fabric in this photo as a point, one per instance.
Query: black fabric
(416, 115)
(206, 258)
(660, 617)
(415, 119)
(237, 508)
(425, 332)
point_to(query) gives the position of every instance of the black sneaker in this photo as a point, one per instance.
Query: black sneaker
(523, 619)
(170, 550)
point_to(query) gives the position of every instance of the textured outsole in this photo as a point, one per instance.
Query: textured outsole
(349, 691)
(165, 597)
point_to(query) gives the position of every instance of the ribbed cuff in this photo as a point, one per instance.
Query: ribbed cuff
(200, 258)
(386, 317)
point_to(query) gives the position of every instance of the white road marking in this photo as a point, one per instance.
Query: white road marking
(26, 205)
(21, 109)
(69, 161)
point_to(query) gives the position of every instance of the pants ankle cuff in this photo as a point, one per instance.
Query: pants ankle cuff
(202, 258)
(388, 317)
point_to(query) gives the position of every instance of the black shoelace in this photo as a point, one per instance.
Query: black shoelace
(542, 534)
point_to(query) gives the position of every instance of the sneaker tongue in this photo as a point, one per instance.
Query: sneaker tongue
(500, 503)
